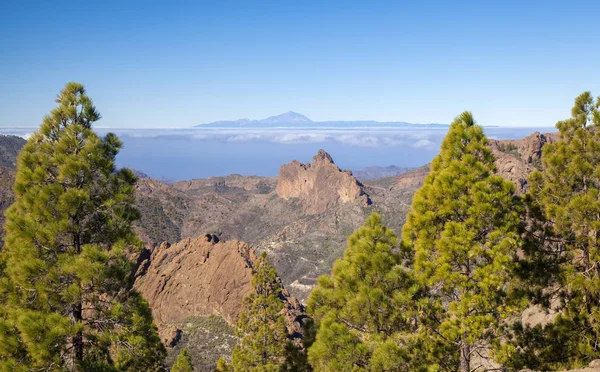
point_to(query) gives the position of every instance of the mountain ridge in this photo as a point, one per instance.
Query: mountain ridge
(292, 119)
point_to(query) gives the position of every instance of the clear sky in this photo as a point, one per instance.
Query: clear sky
(171, 63)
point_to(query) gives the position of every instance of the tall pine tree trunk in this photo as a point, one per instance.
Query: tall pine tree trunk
(465, 357)
(78, 339)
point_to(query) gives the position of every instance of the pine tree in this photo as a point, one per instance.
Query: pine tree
(183, 362)
(567, 196)
(223, 366)
(367, 308)
(463, 231)
(264, 337)
(65, 284)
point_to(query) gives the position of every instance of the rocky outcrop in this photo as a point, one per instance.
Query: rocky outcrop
(413, 177)
(374, 172)
(196, 277)
(228, 183)
(320, 185)
(515, 159)
(199, 277)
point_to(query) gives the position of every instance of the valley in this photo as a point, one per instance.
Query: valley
(302, 219)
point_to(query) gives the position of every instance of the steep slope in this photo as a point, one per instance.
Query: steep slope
(191, 284)
(374, 172)
(515, 159)
(319, 186)
(10, 146)
(302, 218)
(302, 244)
(9, 149)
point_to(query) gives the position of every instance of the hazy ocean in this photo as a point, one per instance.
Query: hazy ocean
(188, 153)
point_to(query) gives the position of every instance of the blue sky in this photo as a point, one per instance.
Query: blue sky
(178, 64)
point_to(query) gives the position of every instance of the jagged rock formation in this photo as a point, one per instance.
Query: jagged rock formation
(320, 185)
(196, 277)
(515, 159)
(303, 218)
(202, 276)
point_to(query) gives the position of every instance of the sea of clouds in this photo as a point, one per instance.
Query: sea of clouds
(185, 153)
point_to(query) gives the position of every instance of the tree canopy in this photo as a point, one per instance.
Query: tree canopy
(564, 200)
(65, 287)
(264, 338)
(366, 309)
(183, 363)
(463, 234)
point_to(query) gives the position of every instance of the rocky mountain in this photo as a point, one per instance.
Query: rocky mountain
(9, 149)
(303, 217)
(515, 159)
(293, 119)
(374, 172)
(190, 285)
(319, 186)
(287, 118)
(284, 216)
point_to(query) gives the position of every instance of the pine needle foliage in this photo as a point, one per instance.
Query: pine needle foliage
(463, 233)
(264, 338)
(183, 363)
(566, 199)
(65, 287)
(366, 309)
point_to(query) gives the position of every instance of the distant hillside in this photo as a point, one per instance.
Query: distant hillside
(9, 149)
(293, 119)
(371, 173)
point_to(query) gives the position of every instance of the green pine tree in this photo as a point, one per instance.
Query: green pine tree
(367, 308)
(264, 337)
(463, 231)
(183, 362)
(65, 284)
(566, 196)
(223, 366)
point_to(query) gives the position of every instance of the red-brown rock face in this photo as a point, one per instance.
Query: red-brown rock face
(202, 276)
(515, 159)
(196, 277)
(320, 185)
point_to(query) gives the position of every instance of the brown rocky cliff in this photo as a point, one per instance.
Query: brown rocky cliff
(202, 276)
(196, 277)
(515, 159)
(320, 185)
(414, 177)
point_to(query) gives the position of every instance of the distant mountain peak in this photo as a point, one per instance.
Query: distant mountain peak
(293, 119)
(287, 117)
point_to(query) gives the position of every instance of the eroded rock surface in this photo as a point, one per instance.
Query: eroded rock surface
(319, 185)
(515, 159)
(196, 277)
(202, 276)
